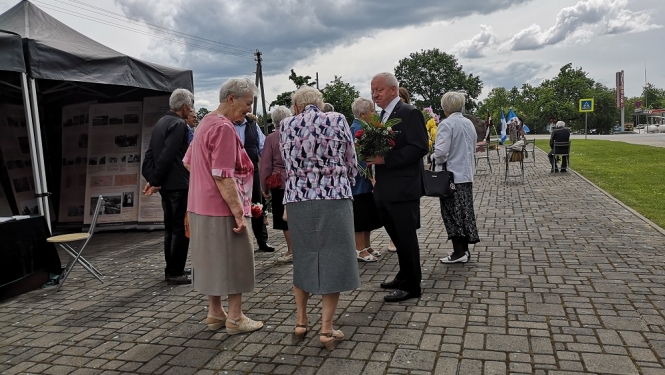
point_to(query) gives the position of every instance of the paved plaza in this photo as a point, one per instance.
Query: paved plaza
(565, 281)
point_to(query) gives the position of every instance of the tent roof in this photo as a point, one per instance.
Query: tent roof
(57, 52)
(11, 52)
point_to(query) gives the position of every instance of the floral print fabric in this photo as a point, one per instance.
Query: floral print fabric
(319, 156)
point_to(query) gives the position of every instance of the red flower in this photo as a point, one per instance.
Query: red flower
(391, 142)
(256, 211)
(359, 133)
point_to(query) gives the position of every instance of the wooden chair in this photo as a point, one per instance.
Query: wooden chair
(75, 253)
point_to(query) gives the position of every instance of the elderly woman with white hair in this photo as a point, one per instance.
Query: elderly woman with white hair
(320, 162)
(220, 185)
(365, 214)
(455, 148)
(273, 178)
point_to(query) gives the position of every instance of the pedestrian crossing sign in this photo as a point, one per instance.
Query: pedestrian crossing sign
(586, 105)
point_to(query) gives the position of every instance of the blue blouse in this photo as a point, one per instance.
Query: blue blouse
(363, 185)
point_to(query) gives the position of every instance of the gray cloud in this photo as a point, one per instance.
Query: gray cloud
(510, 74)
(584, 19)
(285, 31)
(475, 47)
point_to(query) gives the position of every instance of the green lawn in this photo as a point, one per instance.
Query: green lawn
(634, 174)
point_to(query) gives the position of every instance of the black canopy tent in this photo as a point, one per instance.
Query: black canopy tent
(62, 66)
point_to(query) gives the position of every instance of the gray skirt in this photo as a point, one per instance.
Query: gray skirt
(324, 249)
(222, 260)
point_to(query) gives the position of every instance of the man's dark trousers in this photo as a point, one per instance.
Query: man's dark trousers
(176, 244)
(405, 238)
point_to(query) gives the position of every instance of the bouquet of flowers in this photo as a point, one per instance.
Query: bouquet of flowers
(431, 121)
(256, 210)
(374, 139)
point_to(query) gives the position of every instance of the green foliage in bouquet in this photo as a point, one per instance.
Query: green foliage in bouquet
(374, 139)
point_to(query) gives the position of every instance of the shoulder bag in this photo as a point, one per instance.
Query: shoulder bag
(439, 184)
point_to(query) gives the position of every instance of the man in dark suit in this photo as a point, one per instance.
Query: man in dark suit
(252, 139)
(399, 186)
(559, 134)
(165, 172)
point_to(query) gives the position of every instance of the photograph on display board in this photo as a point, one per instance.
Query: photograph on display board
(127, 141)
(128, 199)
(112, 205)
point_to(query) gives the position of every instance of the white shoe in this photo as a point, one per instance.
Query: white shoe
(374, 252)
(392, 248)
(367, 258)
(285, 259)
(463, 259)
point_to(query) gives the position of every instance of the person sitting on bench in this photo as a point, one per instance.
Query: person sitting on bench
(559, 134)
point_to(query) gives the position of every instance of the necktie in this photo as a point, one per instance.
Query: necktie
(383, 112)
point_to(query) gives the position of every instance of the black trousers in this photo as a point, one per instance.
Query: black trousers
(564, 160)
(258, 225)
(176, 244)
(401, 220)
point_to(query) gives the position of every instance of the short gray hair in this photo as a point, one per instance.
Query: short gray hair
(452, 102)
(238, 87)
(180, 98)
(327, 107)
(389, 77)
(560, 124)
(361, 106)
(307, 95)
(279, 113)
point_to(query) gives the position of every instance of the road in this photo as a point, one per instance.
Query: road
(657, 140)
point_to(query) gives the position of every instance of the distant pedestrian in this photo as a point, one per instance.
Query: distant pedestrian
(559, 134)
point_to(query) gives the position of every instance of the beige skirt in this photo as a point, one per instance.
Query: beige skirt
(222, 260)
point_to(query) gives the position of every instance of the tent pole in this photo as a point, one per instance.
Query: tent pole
(42, 190)
(33, 147)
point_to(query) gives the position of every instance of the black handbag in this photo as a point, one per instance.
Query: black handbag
(440, 184)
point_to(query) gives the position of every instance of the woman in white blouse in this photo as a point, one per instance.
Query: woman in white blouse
(455, 148)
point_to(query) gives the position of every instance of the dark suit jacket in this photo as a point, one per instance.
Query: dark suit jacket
(560, 135)
(162, 163)
(400, 178)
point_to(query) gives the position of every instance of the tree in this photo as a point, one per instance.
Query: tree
(653, 97)
(341, 95)
(429, 74)
(285, 97)
(201, 113)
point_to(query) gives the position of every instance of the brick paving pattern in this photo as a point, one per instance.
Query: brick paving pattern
(565, 281)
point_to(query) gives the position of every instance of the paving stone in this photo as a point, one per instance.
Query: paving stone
(413, 359)
(609, 364)
(142, 352)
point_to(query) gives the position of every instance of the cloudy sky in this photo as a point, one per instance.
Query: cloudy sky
(505, 42)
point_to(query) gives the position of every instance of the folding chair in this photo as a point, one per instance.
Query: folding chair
(561, 149)
(513, 156)
(75, 254)
(482, 148)
(533, 150)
